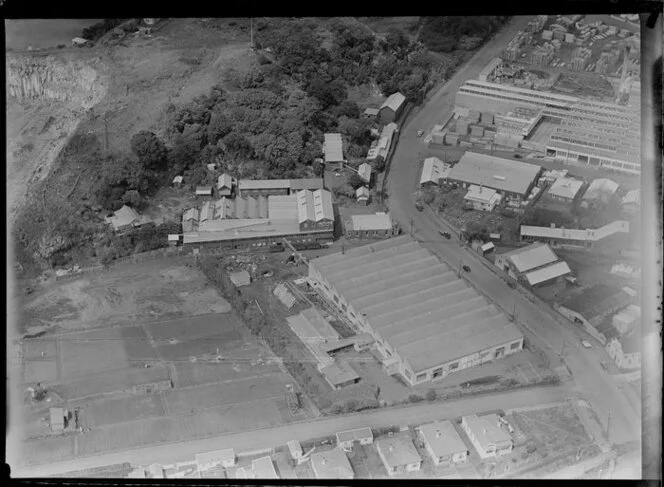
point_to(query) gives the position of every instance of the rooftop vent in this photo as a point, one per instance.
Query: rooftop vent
(499, 178)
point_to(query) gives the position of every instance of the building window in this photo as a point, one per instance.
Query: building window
(437, 372)
(515, 345)
(454, 365)
(420, 377)
(336, 299)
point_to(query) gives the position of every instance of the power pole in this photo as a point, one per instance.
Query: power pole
(459, 269)
(106, 131)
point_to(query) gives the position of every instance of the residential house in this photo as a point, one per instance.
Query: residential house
(362, 195)
(364, 171)
(626, 350)
(599, 193)
(381, 147)
(177, 182)
(331, 464)
(391, 108)
(481, 198)
(225, 185)
(127, 218)
(632, 201)
(363, 436)
(565, 189)
(487, 435)
(378, 225)
(263, 468)
(370, 113)
(226, 458)
(202, 191)
(398, 454)
(443, 443)
(593, 304)
(626, 319)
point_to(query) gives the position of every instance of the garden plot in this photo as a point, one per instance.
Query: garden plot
(123, 410)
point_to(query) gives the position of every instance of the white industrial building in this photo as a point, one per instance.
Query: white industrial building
(433, 170)
(533, 265)
(426, 321)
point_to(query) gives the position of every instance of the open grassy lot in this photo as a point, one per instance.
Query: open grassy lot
(113, 381)
(88, 353)
(197, 373)
(36, 349)
(124, 409)
(190, 399)
(37, 370)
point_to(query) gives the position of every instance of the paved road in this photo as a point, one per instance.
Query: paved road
(272, 437)
(402, 183)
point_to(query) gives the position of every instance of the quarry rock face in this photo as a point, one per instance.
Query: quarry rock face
(48, 78)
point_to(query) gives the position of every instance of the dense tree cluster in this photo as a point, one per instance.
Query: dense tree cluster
(95, 31)
(445, 34)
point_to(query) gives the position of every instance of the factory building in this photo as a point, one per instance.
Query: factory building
(426, 321)
(572, 238)
(534, 265)
(511, 179)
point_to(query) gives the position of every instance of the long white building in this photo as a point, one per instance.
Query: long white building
(594, 133)
(426, 321)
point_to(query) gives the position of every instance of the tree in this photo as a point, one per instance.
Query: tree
(150, 150)
(134, 199)
(355, 181)
(379, 164)
(431, 395)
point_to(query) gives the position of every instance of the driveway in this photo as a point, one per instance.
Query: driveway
(604, 394)
(271, 437)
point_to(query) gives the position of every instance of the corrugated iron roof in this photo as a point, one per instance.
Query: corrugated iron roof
(394, 102)
(362, 192)
(333, 148)
(494, 172)
(409, 295)
(531, 256)
(283, 207)
(264, 184)
(305, 206)
(323, 208)
(310, 183)
(365, 171)
(547, 273)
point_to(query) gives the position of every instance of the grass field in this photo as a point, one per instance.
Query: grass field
(113, 381)
(82, 354)
(121, 410)
(40, 371)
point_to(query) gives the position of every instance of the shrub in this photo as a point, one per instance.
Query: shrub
(431, 395)
(414, 398)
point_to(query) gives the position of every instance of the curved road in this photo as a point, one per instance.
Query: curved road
(403, 179)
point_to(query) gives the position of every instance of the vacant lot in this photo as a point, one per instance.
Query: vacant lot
(224, 380)
(125, 294)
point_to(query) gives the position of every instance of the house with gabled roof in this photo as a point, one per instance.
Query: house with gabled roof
(391, 108)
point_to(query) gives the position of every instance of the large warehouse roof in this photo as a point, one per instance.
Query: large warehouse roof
(333, 148)
(494, 172)
(415, 302)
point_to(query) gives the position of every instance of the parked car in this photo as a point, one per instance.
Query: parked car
(518, 156)
(466, 268)
(586, 344)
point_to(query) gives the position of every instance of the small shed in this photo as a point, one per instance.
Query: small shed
(362, 195)
(240, 278)
(212, 167)
(365, 172)
(177, 182)
(173, 239)
(79, 41)
(487, 247)
(295, 449)
(57, 419)
(494, 236)
(203, 190)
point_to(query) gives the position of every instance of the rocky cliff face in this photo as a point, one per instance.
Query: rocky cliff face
(49, 78)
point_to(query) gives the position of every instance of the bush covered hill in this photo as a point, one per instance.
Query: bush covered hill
(268, 122)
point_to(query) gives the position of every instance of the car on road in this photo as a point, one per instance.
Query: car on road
(420, 132)
(586, 344)
(466, 268)
(518, 156)
(447, 235)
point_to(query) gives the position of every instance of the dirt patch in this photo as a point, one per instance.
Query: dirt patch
(148, 291)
